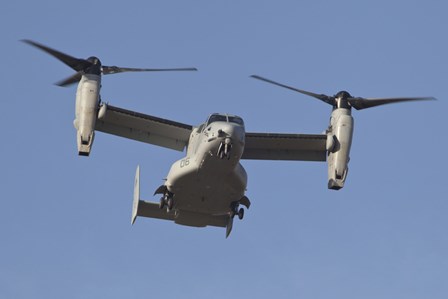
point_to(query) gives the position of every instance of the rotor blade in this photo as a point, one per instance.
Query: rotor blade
(362, 103)
(70, 80)
(115, 69)
(322, 97)
(77, 64)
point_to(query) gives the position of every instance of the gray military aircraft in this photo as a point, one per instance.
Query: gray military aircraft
(207, 186)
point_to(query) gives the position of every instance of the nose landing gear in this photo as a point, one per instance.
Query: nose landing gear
(224, 149)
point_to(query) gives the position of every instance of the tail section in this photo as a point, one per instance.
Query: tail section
(152, 210)
(146, 208)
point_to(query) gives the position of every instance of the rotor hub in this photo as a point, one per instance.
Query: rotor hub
(343, 94)
(342, 100)
(95, 67)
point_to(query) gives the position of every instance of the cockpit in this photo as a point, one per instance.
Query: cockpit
(215, 117)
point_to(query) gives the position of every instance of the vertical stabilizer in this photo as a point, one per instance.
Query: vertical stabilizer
(136, 201)
(229, 227)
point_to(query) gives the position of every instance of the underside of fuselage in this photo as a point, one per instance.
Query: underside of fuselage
(205, 192)
(206, 185)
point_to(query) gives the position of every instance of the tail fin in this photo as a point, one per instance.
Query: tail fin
(136, 201)
(229, 226)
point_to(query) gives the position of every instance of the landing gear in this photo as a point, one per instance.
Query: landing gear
(236, 210)
(224, 149)
(162, 203)
(241, 213)
(167, 200)
(170, 203)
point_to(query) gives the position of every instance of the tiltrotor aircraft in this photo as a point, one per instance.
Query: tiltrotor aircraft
(207, 186)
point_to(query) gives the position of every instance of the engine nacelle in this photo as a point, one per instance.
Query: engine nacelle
(339, 140)
(87, 102)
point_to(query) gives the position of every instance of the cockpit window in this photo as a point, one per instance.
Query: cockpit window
(201, 127)
(236, 120)
(225, 118)
(216, 117)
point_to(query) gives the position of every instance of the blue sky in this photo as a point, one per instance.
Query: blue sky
(65, 220)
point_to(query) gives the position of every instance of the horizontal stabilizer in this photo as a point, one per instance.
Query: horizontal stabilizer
(152, 210)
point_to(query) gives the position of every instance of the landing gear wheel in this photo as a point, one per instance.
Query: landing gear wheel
(241, 213)
(161, 203)
(227, 149)
(170, 203)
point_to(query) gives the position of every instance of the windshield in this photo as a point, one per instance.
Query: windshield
(225, 118)
(237, 120)
(216, 117)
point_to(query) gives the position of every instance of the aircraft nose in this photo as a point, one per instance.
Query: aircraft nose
(235, 132)
(230, 142)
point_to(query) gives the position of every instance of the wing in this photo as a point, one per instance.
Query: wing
(142, 127)
(273, 146)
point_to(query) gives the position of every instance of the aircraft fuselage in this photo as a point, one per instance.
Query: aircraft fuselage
(210, 178)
